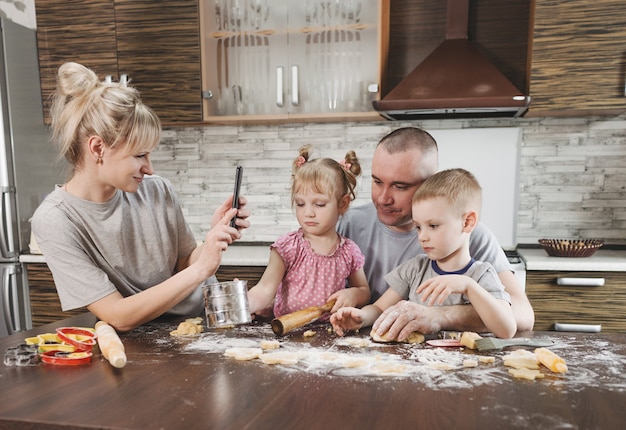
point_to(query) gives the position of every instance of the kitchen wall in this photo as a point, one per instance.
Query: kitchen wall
(572, 171)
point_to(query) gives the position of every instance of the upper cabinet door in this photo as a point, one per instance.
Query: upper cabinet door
(578, 58)
(271, 59)
(80, 31)
(155, 44)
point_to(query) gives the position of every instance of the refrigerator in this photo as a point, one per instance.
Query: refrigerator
(28, 167)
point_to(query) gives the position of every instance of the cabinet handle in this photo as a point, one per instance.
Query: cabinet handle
(280, 101)
(295, 96)
(586, 328)
(581, 282)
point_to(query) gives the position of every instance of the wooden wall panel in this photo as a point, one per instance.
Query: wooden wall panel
(579, 55)
(162, 55)
(82, 31)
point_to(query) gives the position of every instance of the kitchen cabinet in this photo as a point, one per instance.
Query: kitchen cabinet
(156, 44)
(577, 304)
(310, 59)
(44, 300)
(578, 58)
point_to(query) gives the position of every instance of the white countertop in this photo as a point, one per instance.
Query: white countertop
(237, 255)
(603, 260)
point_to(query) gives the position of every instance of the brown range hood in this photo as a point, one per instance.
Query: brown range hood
(455, 80)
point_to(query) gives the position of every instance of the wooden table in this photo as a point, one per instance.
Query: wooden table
(172, 383)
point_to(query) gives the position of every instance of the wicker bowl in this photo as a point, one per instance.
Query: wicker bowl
(571, 248)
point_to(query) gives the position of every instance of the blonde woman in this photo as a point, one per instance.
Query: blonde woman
(114, 235)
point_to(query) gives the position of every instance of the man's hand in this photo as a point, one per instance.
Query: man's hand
(405, 317)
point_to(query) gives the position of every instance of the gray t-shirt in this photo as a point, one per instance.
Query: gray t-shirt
(405, 279)
(129, 243)
(385, 249)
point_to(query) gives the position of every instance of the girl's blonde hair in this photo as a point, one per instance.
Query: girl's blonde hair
(83, 106)
(458, 186)
(325, 175)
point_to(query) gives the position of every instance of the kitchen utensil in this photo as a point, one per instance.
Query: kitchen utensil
(110, 345)
(66, 358)
(294, 320)
(83, 339)
(226, 304)
(571, 248)
(493, 343)
(446, 343)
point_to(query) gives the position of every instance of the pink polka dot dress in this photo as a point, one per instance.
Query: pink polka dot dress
(310, 278)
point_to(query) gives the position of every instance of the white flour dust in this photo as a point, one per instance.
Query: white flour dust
(593, 364)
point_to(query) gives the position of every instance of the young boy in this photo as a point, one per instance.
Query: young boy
(446, 208)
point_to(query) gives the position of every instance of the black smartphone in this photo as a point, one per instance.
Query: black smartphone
(238, 175)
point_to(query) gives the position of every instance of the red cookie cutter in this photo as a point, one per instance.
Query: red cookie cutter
(65, 358)
(82, 339)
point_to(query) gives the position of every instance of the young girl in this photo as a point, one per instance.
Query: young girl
(309, 267)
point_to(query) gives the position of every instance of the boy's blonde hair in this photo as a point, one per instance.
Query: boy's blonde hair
(325, 175)
(458, 186)
(83, 106)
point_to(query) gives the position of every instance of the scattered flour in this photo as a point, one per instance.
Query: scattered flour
(436, 368)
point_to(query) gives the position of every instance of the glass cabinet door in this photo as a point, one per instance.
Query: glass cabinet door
(275, 58)
(333, 55)
(240, 55)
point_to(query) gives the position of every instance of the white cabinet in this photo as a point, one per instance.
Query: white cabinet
(297, 59)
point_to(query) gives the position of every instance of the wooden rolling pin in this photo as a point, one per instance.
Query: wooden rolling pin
(110, 344)
(284, 324)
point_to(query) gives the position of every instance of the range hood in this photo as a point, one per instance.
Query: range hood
(455, 80)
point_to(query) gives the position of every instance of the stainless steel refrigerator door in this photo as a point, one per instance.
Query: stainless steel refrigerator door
(15, 313)
(31, 162)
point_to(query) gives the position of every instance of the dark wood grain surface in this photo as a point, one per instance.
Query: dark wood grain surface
(172, 383)
(552, 303)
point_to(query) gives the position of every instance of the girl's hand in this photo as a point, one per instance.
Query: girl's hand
(436, 290)
(346, 297)
(242, 213)
(346, 319)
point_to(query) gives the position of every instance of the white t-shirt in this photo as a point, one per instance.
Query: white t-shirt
(129, 243)
(385, 249)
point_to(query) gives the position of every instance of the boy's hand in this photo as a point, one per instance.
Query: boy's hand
(346, 319)
(435, 290)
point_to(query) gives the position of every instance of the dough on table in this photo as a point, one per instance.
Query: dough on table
(358, 342)
(189, 327)
(281, 357)
(469, 338)
(470, 362)
(243, 353)
(355, 362)
(415, 337)
(524, 373)
(386, 367)
(521, 358)
(309, 333)
(269, 344)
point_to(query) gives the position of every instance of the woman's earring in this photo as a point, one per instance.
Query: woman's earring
(99, 160)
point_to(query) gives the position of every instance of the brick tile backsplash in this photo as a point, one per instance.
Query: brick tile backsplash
(572, 178)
